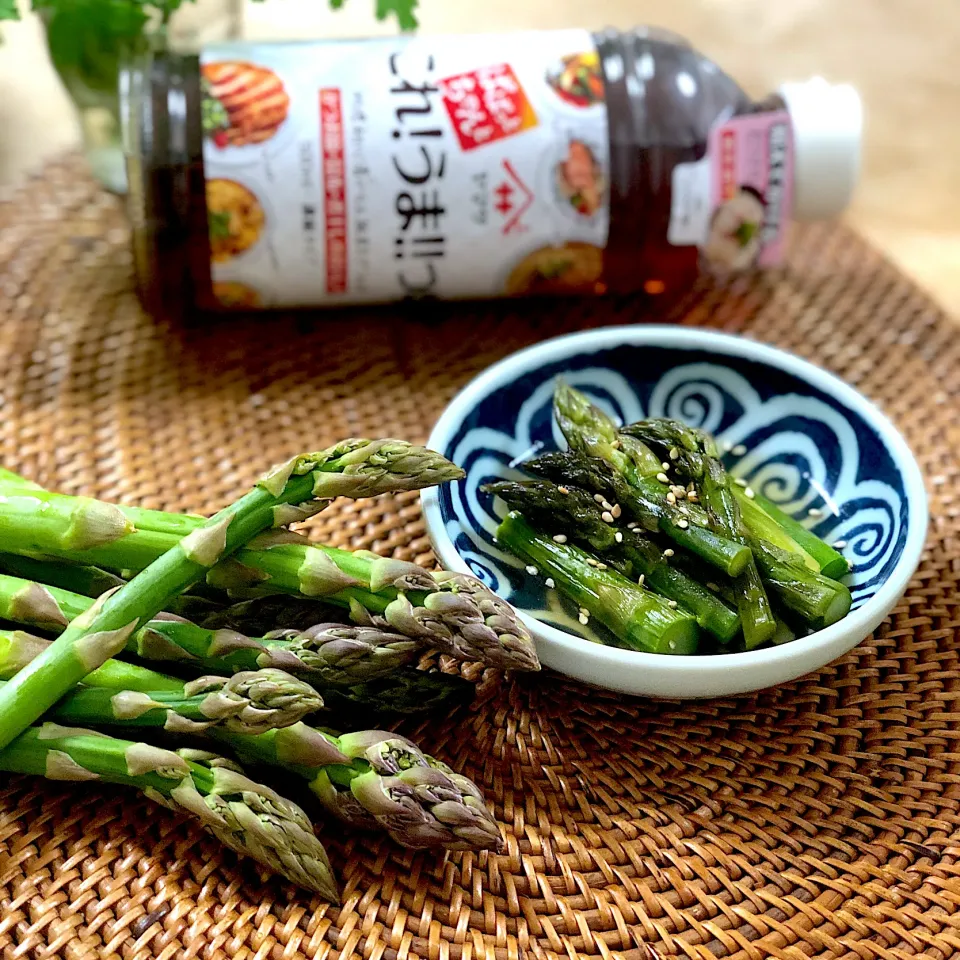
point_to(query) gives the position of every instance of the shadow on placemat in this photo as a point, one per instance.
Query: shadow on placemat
(819, 819)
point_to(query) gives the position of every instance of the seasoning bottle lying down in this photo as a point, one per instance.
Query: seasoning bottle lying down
(553, 162)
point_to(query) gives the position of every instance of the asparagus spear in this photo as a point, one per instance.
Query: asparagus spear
(247, 703)
(245, 816)
(598, 477)
(766, 520)
(818, 600)
(452, 612)
(89, 581)
(576, 516)
(374, 779)
(636, 616)
(357, 467)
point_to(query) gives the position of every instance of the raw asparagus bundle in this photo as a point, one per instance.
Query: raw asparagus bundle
(370, 779)
(38, 522)
(243, 815)
(451, 612)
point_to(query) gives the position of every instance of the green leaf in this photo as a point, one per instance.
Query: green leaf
(8, 10)
(401, 9)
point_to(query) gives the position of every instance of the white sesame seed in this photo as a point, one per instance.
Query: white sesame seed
(560, 538)
(618, 536)
(839, 544)
(740, 482)
(674, 453)
(712, 586)
(671, 498)
(727, 446)
(592, 563)
(682, 524)
(672, 644)
(739, 450)
(663, 478)
(606, 504)
(616, 511)
(693, 498)
(665, 465)
(532, 570)
(563, 490)
(814, 512)
(583, 620)
(640, 580)
(669, 552)
(748, 493)
(672, 603)
(549, 582)
(584, 612)
(601, 566)
(598, 497)
(606, 516)
(632, 525)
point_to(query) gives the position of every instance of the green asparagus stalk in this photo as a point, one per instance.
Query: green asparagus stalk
(577, 517)
(596, 476)
(350, 468)
(245, 816)
(378, 780)
(246, 704)
(816, 599)
(637, 617)
(89, 581)
(767, 521)
(452, 612)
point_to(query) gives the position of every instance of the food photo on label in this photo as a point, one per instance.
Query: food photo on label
(416, 167)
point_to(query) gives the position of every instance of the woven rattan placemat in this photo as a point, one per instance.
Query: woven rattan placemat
(819, 819)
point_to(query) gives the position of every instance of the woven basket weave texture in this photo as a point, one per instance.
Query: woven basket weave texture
(820, 819)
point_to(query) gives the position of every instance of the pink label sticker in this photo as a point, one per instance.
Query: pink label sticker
(751, 190)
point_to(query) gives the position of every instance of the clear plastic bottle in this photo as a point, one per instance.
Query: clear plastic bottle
(329, 173)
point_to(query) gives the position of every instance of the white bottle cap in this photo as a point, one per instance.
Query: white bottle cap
(827, 124)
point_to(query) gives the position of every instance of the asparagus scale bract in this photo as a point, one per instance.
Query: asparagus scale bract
(451, 612)
(243, 815)
(355, 467)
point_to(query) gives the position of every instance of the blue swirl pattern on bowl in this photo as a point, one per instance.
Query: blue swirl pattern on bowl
(805, 451)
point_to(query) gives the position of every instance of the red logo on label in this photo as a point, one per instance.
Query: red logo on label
(334, 190)
(512, 198)
(486, 105)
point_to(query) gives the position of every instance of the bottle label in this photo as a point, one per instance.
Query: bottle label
(735, 203)
(383, 169)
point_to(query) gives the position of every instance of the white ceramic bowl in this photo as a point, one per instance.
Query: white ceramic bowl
(812, 441)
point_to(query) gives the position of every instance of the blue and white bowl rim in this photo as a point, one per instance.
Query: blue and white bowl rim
(859, 621)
